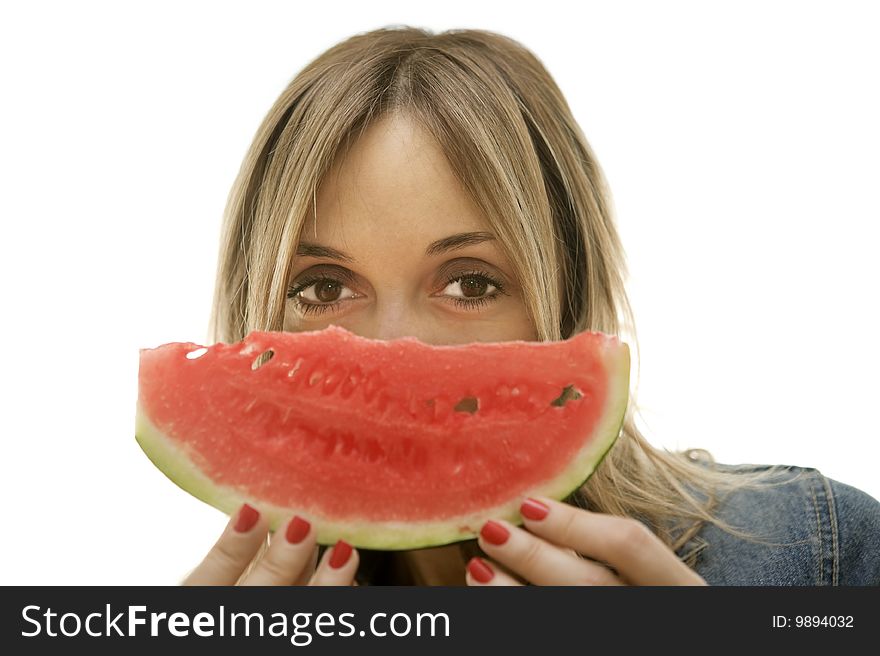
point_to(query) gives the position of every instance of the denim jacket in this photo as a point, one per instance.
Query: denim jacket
(825, 533)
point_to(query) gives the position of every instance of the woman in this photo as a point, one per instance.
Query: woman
(437, 186)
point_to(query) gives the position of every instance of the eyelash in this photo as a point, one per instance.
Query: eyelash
(470, 304)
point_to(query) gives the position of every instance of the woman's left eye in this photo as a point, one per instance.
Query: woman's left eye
(470, 290)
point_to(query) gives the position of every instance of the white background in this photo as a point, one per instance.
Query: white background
(741, 143)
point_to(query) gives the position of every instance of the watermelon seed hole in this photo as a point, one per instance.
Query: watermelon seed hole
(262, 359)
(569, 393)
(296, 367)
(468, 404)
(192, 355)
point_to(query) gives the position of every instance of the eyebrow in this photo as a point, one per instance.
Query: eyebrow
(451, 243)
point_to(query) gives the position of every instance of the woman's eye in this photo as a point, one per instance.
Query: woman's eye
(469, 287)
(472, 291)
(324, 291)
(316, 296)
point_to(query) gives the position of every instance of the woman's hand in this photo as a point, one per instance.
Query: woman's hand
(617, 551)
(289, 560)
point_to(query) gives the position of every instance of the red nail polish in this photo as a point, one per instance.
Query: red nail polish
(297, 530)
(247, 518)
(480, 570)
(534, 509)
(494, 533)
(341, 552)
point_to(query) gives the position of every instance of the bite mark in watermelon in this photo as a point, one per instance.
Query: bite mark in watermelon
(386, 444)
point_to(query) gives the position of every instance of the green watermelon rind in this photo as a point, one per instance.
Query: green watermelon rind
(178, 466)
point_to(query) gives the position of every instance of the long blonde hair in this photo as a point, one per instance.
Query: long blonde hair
(510, 136)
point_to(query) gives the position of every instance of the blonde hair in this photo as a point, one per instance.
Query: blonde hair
(510, 136)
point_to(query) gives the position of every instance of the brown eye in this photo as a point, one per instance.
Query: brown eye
(318, 294)
(327, 291)
(472, 287)
(471, 291)
(469, 287)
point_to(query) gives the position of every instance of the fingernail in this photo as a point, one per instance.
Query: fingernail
(247, 517)
(341, 552)
(480, 570)
(494, 533)
(534, 509)
(297, 530)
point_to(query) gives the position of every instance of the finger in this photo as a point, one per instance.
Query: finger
(236, 547)
(627, 545)
(338, 565)
(479, 572)
(539, 561)
(499, 567)
(289, 552)
(309, 570)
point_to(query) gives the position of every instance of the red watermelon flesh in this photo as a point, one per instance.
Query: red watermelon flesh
(386, 444)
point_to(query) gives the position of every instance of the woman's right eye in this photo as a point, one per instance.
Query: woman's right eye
(317, 295)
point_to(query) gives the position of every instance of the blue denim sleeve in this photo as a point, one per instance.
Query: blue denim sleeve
(858, 534)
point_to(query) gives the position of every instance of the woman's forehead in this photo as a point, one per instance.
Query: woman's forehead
(394, 183)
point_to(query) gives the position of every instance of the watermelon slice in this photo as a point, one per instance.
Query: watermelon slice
(387, 444)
